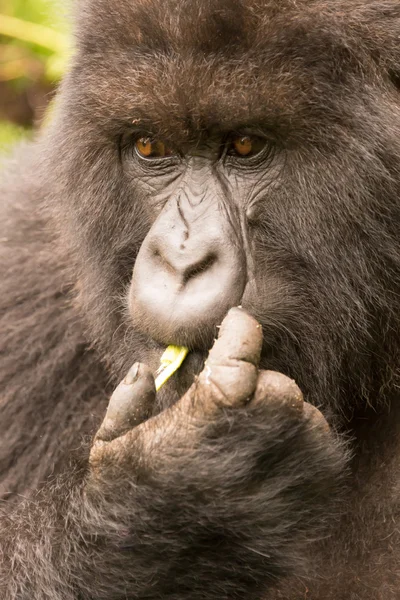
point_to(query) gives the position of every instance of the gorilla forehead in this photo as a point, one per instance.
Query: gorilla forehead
(193, 64)
(237, 26)
(172, 24)
(218, 25)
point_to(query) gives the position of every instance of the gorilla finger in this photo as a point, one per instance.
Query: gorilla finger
(240, 338)
(280, 393)
(316, 419)
(130, 404)
(229, 376)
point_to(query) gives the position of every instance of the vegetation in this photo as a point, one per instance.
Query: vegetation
(34, 47)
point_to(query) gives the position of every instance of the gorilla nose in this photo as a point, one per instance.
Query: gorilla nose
(184, 282)
(184, 263)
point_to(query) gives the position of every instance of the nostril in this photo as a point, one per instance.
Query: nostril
(182, 264)
(161, 262)
(195, 270)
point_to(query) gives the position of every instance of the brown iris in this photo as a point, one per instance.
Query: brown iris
(150, 148)
(246, 146)
(243, 145)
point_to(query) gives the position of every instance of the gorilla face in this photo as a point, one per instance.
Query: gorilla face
(218, 158)
(196, 260)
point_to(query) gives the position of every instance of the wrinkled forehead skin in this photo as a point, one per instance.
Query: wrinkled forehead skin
(230, 62)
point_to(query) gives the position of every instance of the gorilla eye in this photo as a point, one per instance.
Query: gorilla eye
(246, 146)
(149, 148)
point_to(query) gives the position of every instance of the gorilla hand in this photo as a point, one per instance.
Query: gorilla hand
(229, 379)
(240, 472)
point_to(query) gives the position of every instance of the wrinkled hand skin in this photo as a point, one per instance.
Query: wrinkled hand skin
(218, 497)
(230, 379)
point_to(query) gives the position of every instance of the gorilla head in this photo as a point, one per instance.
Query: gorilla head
(210, 154)
(204, 154)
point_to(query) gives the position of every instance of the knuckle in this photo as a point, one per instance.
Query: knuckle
(228, 384)
(278, 390)
(315, 418)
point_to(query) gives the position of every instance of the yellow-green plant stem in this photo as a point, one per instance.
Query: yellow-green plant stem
(33, 34)
(171, 360)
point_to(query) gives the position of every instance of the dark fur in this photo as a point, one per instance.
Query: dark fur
(324, 77)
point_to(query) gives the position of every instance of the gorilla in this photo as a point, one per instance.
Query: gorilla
(222, 169)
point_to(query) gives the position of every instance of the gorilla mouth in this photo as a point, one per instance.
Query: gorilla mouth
(194, 361)
(183, 377)
(191, 366)
(180, 381)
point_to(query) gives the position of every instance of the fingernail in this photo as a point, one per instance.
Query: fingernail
(132, 374)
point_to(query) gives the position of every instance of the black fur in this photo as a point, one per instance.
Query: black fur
(323, 77)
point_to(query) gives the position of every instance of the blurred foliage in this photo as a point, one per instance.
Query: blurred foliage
(34, 47)
(9, 134)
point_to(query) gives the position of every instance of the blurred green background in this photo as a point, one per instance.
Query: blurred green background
(34, 47)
